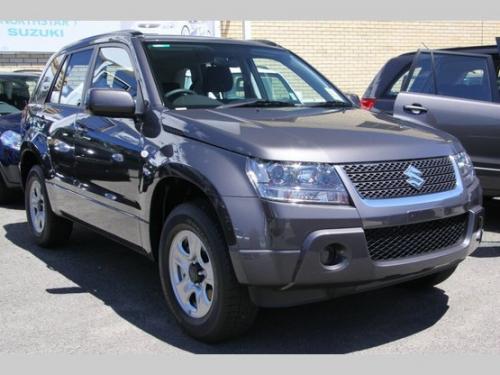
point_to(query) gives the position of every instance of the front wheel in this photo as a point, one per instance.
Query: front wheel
(198, 279)
(47, 228)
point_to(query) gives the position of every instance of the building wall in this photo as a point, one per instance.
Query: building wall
(350, 53)
(11, 61)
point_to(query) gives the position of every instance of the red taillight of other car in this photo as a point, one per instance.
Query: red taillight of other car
(368, 103)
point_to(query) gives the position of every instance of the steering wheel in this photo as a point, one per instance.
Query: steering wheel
(174, 94)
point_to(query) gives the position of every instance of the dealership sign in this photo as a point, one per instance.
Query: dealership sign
(51, 35)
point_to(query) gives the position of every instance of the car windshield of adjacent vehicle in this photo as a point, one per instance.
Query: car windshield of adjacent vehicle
(191, 75)
(15, 91)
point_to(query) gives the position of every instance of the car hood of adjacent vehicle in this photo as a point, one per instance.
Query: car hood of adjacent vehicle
(310, 134)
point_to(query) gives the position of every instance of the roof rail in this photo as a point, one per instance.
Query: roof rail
(127, 31)
(267, 42)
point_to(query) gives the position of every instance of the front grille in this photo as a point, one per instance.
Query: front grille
(414, 239)
(384, 180)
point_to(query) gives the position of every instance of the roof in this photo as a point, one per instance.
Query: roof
(127, 35)
(468, 49)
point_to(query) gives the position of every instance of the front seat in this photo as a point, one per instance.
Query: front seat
(217, 79)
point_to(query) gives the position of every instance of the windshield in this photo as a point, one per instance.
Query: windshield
(15, 92)
(191, 75)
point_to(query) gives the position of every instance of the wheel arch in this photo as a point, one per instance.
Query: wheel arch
(29, 157)
(180, 184)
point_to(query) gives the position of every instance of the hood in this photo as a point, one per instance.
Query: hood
(311, 134)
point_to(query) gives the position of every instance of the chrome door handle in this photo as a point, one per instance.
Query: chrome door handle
(415, 109)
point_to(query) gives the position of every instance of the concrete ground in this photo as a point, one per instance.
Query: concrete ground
(94, 296)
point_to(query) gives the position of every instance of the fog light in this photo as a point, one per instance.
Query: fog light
(331, 255)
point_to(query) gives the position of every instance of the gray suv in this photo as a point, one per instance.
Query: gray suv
(248, 188)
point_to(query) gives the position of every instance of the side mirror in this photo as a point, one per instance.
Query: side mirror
(354, 99)
(110, 103)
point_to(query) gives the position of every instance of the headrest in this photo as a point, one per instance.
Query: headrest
(218, 79)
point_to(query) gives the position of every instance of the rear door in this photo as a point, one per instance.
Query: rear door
(52, 111)
(457, 93)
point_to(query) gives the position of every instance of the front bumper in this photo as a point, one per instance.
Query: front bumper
(280, 274)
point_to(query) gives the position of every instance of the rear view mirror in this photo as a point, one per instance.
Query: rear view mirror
(110, 103)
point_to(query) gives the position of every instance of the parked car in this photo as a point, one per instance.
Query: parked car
(163, 27)
(456, 91)
(250, 201)
(381, 94)
(15, 89)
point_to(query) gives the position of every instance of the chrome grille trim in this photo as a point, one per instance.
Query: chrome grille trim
(384, 180)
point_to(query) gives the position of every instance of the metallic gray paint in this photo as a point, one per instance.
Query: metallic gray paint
(271, 244)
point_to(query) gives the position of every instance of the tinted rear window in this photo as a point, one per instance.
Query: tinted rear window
(460, 76)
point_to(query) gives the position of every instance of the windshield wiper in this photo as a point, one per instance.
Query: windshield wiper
(257, 103)
(330, 104)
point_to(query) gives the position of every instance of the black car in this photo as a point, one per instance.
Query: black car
(381, 94)
(245, 192)
(15, 91)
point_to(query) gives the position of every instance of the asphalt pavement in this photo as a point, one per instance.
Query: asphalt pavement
(95, 296)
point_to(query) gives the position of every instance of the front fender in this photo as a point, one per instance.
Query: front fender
(218, 173)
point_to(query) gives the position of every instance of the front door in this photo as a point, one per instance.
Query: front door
(108, 153)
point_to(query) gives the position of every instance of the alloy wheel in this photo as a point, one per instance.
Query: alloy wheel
(191, 274)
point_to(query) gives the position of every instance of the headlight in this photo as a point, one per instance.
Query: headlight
(11, 139)
(464, 164)
(297, 182)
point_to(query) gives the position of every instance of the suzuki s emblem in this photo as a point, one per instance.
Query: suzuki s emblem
(414, 177)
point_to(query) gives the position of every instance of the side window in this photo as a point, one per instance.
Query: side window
(463, 76)
(55, 94)
(113, 69)
(397, 85)
(74, 78)
(421, 78)
(46, 81)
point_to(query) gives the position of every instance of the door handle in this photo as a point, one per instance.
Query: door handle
(415, 109)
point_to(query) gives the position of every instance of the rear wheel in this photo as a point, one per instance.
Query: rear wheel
(198, 279)
(47, 228)
(431, 280)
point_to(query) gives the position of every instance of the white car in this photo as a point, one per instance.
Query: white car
(163, 27)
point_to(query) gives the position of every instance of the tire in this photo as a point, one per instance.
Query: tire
(230, 312)
(185, 31)
(431, 280)
(6, 194)
(48, 229)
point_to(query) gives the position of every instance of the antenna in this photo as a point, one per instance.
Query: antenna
(424, 45)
